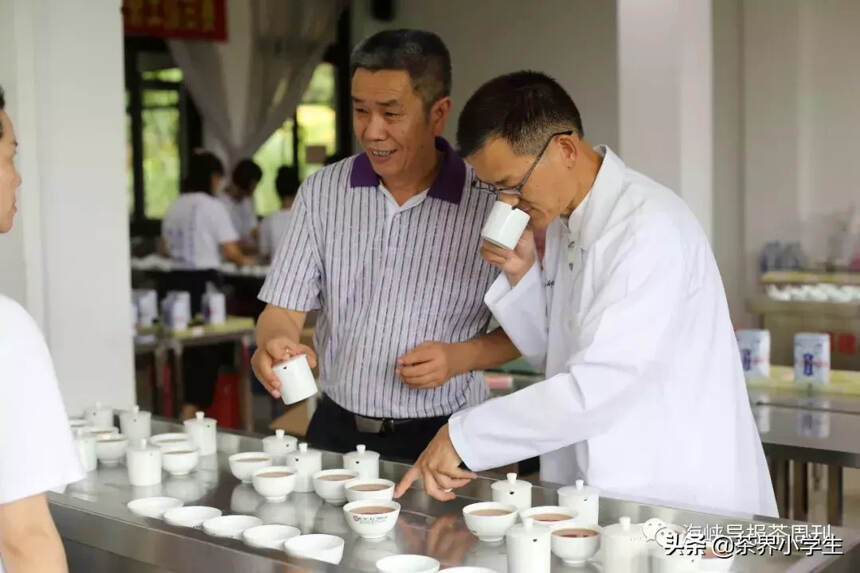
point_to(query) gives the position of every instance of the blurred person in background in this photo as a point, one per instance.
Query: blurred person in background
(238, 198)
(37, 452)
(273, 226)
(198, 235)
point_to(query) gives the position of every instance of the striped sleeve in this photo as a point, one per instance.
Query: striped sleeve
(294, 278)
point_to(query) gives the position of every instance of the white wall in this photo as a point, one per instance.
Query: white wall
(63, 72)
(728, 203)
(801, 120)
(573, 41)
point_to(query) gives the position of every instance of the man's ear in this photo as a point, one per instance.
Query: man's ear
(438, 115)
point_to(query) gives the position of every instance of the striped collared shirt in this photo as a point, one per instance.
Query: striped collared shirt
(386, 278)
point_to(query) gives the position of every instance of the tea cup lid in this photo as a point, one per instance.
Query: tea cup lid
(511, 483)
(199, 418)
(303, 448)
(361, 453)
(625, 528)
(578, 489)
(528, 529)
(279, 433)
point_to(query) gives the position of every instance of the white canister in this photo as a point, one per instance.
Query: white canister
(754, 347)
(812, 357)
(297, 379)
(146, 301)
(513, 491)
(625, 548)
(582, 498)
(86, 444)
(99, 416)
(279, 446)
(144, 464)
(529, 548)
(203, 433)
(135, 424)
(305, 462)
(214, 308)
(176, 310)
(363, 461)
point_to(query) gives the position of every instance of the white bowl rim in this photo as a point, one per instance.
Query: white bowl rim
(335, 471)
(391, 504)
(488, 505)
(240, 455)
(190, 509)
(157, 501)
(429, 561)
(336, 540)
(275, 468)
(360, 480)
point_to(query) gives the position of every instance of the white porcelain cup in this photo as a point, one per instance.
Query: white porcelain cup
(144, 464)
(203, 433)
(363, 461)
(575, 544)
(364, 489)
(513, 491)
(372, 525)
(135, 423)
(244, 464)
(274, 483)
(328, 486)
(407, 564)
(297, 379)
(486, 527)
(306, 463)
(231, 526)
(322, 547)
(551, 515)
(154, 507)
(280, 446)
(190, 516)
(110, 449)
(529, 548)
(179, 461)
(86, 444)
(270, 536)
(504, 225)
(583, 499)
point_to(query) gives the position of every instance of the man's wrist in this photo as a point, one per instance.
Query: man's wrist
(461, 356)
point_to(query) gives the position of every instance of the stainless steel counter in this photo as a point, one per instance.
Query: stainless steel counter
(102, 535)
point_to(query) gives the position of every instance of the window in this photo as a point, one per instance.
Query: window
(307, 139)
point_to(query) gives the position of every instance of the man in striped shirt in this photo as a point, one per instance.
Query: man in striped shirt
(386, 245)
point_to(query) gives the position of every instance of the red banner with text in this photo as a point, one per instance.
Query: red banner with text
(176, 19)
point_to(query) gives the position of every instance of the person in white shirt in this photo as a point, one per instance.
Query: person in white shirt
(238, 198)
(644, 396)
(198, 235)
(37, 452)
(273, 226)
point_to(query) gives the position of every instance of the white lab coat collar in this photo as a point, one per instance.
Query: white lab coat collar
(589, 219)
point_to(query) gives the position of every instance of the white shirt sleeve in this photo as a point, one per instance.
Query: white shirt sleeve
(219, 223)
(37, 451)
(265, 232)
(617, 353)
(250, 214)
(521, 311)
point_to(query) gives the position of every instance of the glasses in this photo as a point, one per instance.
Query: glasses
(517, 190)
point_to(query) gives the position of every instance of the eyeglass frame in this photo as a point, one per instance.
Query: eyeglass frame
(517, 190)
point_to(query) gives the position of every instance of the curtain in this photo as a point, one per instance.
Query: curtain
(247, 87)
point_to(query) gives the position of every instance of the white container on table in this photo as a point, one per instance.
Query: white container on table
(99, 416)
(135, 424)
(144, 464)
(363, 461)
(529, 548)
(812, 357)
(214, 308)
(203, 433)
(146, 301)
(754, 347)
(279, 446)
(297, 379)
(582, 498)
(86, 444)
(625, 548)
(513, 491)
(305, 462)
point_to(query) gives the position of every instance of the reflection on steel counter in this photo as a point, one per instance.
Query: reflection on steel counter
(102, 534)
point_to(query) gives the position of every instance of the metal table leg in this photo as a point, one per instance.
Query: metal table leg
(834, 495)
(243, 369)
(779, 476)
(178, 381)
(800, 490)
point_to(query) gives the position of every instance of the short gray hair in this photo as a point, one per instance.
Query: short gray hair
(422, 54)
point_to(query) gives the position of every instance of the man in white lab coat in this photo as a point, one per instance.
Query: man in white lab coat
(644, 396)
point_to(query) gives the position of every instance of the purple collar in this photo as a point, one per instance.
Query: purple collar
(448, 185)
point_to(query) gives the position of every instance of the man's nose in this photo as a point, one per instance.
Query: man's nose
(375, 128)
